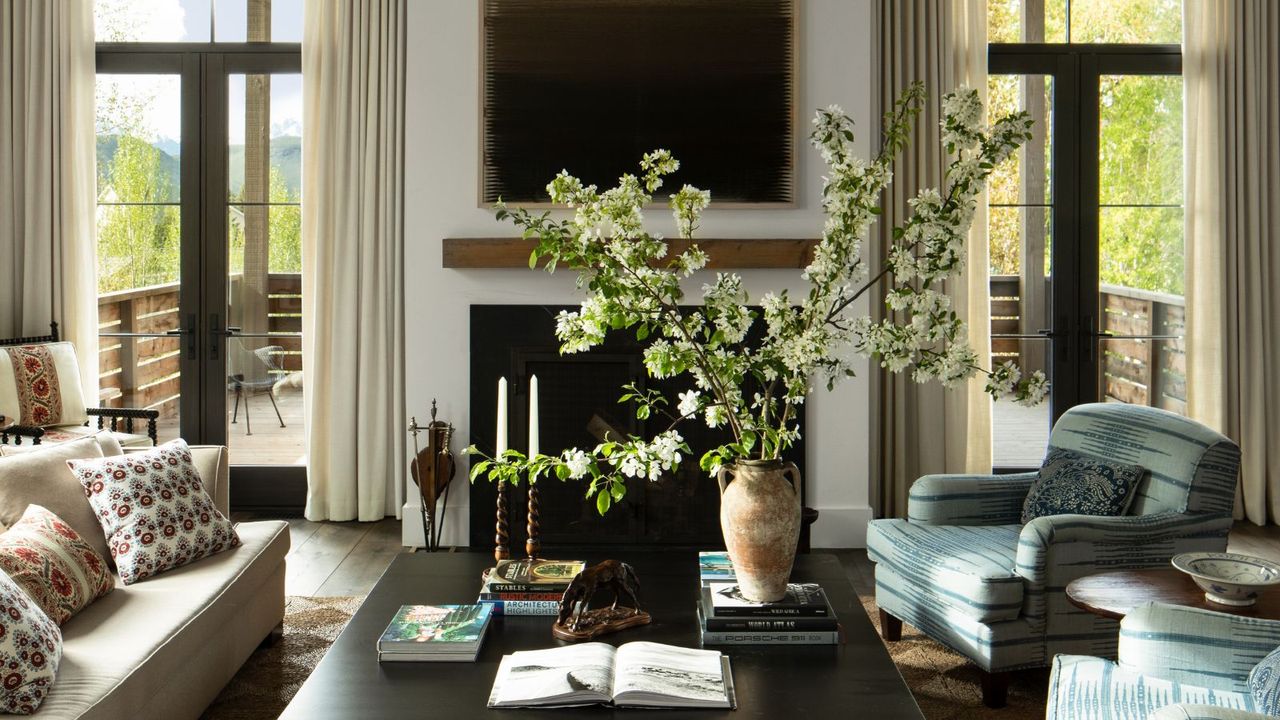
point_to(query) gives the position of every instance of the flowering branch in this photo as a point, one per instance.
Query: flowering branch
(632, 284)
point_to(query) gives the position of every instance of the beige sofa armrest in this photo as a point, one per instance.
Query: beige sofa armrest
(214, 466)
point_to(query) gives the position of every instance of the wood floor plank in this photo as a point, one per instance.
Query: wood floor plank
(359, 571)
(316, 559)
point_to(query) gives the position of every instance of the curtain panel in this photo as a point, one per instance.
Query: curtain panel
(48, 176)
(1231, 66)
(353, 66)
(923, 429)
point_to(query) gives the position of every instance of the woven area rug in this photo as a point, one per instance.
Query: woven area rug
(947, 686)
(271, 676)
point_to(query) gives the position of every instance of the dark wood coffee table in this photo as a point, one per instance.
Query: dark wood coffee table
(1116, 594)
(771, 682)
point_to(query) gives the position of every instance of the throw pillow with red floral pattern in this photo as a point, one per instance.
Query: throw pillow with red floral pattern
(30, 650)
(154, 510)
(57, 568)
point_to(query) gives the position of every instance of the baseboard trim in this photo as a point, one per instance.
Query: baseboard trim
(841, 527)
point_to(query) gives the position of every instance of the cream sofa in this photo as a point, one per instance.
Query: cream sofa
(165, 647)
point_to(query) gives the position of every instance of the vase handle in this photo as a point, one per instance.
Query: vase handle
(722, 477)
(792, 474)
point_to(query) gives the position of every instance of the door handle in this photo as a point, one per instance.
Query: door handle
(190, 333)
(217, 333)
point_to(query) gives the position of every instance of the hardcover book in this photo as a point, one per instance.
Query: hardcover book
(637, 674)
(770, 636)
(435, 632)
(802, 600)
(715, 565)
(530, 575)
(523, 607)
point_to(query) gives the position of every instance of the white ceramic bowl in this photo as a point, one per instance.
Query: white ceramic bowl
(1229, 578)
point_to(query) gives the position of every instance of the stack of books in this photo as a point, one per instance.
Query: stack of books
(803, 617)
(528, 586)
(441, 633)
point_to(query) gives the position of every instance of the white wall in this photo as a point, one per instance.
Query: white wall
(836, 65)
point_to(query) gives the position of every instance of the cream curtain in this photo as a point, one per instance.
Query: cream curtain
(353, 257)
(47, 175)
(922, 429)
(1231, 66)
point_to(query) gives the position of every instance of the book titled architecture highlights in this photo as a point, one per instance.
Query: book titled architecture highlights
(435, 632)
(637, 674)
(528, 586)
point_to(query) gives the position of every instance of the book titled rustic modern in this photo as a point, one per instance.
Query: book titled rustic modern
(801, 600)
(435, 632)
(637, 674)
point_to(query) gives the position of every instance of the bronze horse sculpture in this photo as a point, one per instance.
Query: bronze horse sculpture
(575, 622)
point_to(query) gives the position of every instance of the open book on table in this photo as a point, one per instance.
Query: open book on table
(637, 674)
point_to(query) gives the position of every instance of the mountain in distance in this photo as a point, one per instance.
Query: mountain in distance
(286, 154)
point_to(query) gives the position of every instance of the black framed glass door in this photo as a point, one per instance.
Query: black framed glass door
(1086, 228)
(199, 219)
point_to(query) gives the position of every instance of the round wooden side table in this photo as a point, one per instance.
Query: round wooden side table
(1115, 594)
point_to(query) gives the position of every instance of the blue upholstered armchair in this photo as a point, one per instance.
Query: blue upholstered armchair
(963, 570)
(1175, 663)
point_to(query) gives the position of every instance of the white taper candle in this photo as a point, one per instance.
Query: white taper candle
(533, 415)
(501, 433)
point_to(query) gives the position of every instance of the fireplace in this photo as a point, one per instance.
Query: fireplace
(578, 399)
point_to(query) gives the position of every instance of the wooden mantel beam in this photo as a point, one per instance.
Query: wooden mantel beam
(722, 254)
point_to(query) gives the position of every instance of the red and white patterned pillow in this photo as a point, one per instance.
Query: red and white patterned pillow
(59, 570)
(30, 650)
(154, 510)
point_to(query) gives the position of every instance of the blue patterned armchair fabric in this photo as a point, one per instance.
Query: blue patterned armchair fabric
(963, 570)
(1175, 663)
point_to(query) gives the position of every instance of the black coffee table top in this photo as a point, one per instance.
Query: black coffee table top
(771, 682)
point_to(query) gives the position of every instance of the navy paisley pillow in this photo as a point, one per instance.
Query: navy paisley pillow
(1072, 483)
(1264, 683)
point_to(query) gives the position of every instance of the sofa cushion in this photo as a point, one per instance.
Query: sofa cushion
(1073, 483)
(47, 558)
(1264, 683)
(40, 385)
(138, 643)
(42, 478)
(1089, 687)
(970, 567)
(67, 433)
(154, 510)
(109, 442)
(30, 649)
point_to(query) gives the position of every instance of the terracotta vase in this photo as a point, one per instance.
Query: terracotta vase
(760, 519)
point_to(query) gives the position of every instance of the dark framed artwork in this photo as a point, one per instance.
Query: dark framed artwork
(589, 86)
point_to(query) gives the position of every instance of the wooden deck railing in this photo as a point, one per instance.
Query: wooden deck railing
(144, 372)
(1143, 372)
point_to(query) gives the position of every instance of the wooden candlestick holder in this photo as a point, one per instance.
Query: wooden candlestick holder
(501, 536)
(533, 544)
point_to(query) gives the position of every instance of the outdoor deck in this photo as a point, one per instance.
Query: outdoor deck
(269, 444)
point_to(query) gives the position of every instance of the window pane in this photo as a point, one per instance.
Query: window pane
(272, 20)
(265, 110)
(151, 21)
(1140, 139)
(1126, 21)
(139, 126)
(1012, 21)
(1141, 247)
(1025, 178)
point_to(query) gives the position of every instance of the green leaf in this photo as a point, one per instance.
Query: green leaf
(603, 502)
(642, 332)
(642, 412)
(562, 472)
(479, 468)
(533, 259)
(618, 490)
